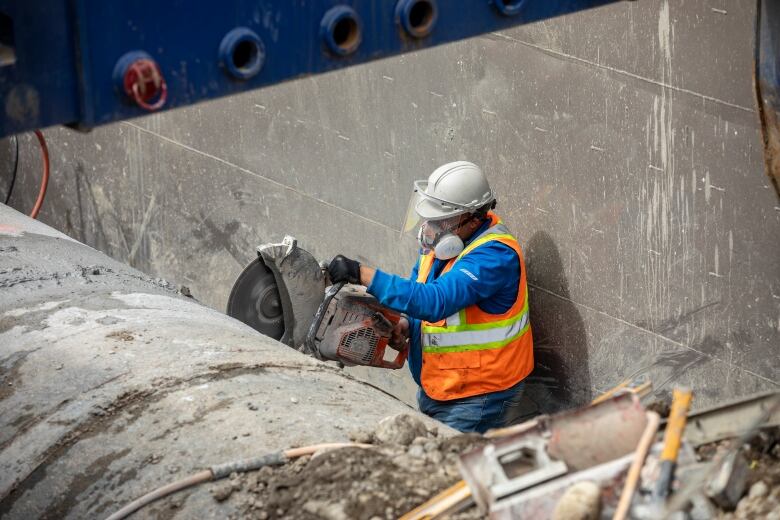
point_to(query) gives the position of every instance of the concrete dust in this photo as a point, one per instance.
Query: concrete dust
(384, 481)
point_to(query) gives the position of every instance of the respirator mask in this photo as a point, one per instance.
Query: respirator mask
(440, 236)
(434, 223)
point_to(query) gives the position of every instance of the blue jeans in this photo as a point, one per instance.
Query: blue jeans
(475, 414)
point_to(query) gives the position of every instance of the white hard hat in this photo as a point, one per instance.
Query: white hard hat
(451, 190)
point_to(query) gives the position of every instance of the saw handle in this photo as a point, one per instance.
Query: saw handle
(399, 360)
(382, 322)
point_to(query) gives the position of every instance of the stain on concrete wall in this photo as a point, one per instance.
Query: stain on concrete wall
(622, 142)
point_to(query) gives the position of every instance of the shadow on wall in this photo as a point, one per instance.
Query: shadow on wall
(561, 378)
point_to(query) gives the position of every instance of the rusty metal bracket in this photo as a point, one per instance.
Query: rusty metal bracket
(766, 80)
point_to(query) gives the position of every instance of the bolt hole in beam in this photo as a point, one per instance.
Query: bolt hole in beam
(242, 53)
(509, 7)
(417, 17)
(7, 48)
(341, 30)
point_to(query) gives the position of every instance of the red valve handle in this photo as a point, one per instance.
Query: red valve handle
(151, 107)
(143, 71)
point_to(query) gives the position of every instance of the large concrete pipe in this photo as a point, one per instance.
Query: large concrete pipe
(112, 384)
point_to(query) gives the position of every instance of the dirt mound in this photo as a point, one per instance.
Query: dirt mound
(383, 481)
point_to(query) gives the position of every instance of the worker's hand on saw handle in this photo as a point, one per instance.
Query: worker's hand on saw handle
(400, 334)
(343, 269)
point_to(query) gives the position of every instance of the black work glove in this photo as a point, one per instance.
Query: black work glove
(342, 269)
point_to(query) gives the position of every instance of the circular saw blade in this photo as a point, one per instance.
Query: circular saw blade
(254, 300)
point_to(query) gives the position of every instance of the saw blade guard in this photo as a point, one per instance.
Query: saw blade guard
(279, 292)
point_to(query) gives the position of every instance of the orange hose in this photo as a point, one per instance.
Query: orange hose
(294, 453)
(135, 505)
(45, 180)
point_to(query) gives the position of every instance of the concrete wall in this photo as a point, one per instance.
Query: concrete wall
(622, 142)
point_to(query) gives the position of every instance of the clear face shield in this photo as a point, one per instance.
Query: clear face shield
(429, 231)
(413, 219)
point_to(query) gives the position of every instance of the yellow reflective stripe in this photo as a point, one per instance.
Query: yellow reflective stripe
(483, 346)
(487, 238)
(423, 268)
(432, 329)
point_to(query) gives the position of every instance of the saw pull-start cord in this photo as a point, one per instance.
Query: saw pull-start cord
(221, 471)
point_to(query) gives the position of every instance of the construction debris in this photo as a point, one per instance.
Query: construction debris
(728, 486)
(760, 497)
(573, 465)
(408, 464)
(582, 501)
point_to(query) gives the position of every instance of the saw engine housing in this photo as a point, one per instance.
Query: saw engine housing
(353, 328)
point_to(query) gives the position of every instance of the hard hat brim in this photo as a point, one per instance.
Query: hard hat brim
(429, 209)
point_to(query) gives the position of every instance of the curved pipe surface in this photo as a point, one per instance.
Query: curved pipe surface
(114, 384)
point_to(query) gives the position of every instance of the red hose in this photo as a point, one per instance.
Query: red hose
(45, 180)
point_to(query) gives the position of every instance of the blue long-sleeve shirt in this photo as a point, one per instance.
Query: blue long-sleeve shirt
(488, 276)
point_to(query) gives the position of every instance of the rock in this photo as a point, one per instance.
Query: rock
(451, 471)
(582, 501)
(402, 461)
(435, 457)
(326, 510)
(701, 508)
(222, 491)
(400, 429)
(361, 436)
(759, 489)
(416, 451)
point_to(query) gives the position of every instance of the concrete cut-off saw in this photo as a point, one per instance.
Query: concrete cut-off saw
(285, 294)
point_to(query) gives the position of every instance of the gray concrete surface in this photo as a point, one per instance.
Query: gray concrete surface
(112, 384)
(622, 142)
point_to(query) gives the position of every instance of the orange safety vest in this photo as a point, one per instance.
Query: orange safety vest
(474, 352)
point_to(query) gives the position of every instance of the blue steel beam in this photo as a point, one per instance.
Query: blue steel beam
(58, 58)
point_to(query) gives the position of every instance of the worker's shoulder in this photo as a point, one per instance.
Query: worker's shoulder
(495, 245)
(493, 249)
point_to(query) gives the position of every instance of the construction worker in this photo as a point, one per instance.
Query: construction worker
(466, 303)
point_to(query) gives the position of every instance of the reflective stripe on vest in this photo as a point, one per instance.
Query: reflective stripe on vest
(477, 336)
